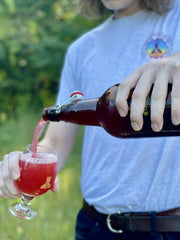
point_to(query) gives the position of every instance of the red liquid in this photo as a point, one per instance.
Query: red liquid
(37, 134)
(37, 175)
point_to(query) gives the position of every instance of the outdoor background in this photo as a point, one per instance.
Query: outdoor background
(34, 36)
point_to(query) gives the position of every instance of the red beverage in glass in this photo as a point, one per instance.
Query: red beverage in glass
(37, 173)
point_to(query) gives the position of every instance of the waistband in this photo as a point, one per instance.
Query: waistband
(166, 221)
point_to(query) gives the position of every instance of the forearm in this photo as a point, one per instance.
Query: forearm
(60, 136)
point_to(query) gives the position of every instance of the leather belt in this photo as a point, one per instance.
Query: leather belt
(167, 221)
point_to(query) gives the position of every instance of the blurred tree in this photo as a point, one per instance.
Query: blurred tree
(34, 36)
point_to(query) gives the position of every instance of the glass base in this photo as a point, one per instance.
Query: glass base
(22, 209)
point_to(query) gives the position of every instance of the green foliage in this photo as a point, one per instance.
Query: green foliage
(34, 36)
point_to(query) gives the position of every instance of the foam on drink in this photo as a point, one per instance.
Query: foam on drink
(39, 158)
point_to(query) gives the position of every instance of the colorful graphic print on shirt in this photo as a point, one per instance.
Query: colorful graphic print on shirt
(157, 46)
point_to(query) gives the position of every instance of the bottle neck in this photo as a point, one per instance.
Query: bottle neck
(82, 112)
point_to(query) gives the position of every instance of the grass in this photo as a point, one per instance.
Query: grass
(56, 211)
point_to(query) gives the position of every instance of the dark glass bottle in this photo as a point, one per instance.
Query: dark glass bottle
(102, 112)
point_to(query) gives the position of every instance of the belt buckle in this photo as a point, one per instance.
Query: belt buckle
(108, 221)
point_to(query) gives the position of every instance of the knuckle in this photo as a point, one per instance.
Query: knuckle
(151, 64)
(157, 118)
(119, 103)
(4, 170)
(13, 161)
(1, 184)
(176, 111)
(122, 88)
(123, 84)
(5, 156)
(175, 93)
(163, 62)
(176, 66)
(138, 96)
(5, 175)
(135, 117)
(156, 96)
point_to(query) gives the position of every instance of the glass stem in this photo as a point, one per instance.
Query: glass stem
(23, 209)
(23, 206)
(26, 201)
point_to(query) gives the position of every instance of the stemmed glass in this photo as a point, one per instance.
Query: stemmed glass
(38, 173)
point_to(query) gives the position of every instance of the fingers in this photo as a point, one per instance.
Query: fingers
(55, 186)
(9, 171)
(158, 97)
(157, 73)
(141, 80)
(175, 96)
(139, 98)
(124, 89)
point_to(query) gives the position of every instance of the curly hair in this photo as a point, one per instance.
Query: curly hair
(95, 8)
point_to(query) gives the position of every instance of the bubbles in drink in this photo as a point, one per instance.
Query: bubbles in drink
(37, 174)
(39, 158)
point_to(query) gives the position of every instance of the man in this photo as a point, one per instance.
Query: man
(136, 178)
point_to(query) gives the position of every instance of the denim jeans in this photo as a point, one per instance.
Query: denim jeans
(89, 229)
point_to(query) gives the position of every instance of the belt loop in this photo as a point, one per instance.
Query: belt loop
(127, 222)
(99, 219)
(153, 222)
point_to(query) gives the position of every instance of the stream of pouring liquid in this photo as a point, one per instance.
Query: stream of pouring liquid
(37, 134)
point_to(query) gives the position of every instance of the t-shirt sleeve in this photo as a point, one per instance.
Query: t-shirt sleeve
(67, 81)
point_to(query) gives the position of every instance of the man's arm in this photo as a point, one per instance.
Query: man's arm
(61, 136)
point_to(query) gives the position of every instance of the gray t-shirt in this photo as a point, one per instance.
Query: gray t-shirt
(124, 174)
